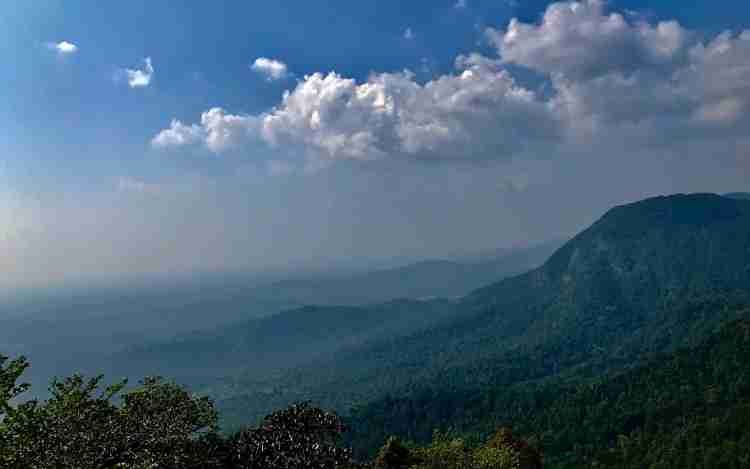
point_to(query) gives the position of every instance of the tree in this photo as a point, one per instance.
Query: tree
(394, 455)
(301, 436)
(10, 372)
(505, 451)
(157, 425)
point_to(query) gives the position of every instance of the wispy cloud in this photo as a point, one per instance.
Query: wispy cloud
(409, 34)
(127, 184)
(460, 4)
(140, 78)
(272, 69)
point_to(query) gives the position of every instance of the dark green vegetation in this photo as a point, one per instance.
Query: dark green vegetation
(161, 426)
(680, 410)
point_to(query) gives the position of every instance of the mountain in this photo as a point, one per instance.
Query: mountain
(283, 340)
(299, 335)
(738, 195)
(419, 280)
(647, 278)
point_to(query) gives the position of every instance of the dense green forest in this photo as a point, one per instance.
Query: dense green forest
(160, 425)
(692, 405)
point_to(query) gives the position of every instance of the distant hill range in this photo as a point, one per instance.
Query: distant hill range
(419, 295)
(420, 280)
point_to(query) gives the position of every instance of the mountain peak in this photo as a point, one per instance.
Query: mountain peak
(678, 209)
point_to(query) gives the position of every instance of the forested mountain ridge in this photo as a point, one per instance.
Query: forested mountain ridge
(738, 195)
(684, 409)
(447, 278)
(646, 278)
(283, 340)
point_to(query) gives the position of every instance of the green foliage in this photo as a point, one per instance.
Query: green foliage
(157, 425)
(394, 455)
(298, 437)
(697, 399)
(79, 426)
(10, 372)
(446, 451)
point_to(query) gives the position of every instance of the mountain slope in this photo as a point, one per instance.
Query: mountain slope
(282, 340)
(651, 406)
(738, 195)
(646, 278)
(426, 279)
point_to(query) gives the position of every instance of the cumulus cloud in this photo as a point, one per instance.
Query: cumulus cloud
(140, 78)
(270, 68)
(580, 40)
(610, 77)
(390, 115)
(218, 131)
(460, 4)
(63, 47)
(409, 34)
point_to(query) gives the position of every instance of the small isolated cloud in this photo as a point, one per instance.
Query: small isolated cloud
(408, 34)
(63, 47)
(460, 4)
(140, 78)
(270, 68)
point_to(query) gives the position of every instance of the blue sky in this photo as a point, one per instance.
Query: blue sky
(87, 191)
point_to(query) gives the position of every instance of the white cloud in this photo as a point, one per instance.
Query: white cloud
(611, 78)
(391, 115)
(580, 40)
(178, 134)
(270, 68)
(218, 131)
(140, 78)
(616, 77)
(63, 47)
(409, 34)
(460, 4)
